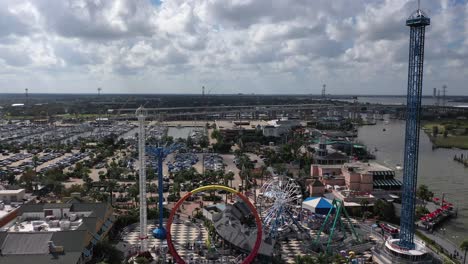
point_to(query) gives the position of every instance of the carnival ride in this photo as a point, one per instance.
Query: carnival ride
(280, 205)
(332, 235)
(242, 197)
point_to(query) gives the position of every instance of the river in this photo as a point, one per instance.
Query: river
(401, 100)
(436, 169)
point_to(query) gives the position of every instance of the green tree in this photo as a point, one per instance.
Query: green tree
(424, 194)
(88, 182)
(445, 133)
(420, 211)
(27, 179)
(464, 247)
(102, 176)
(105, 251)
(133, 192)
(216, 134)
(384, 210)
(305, 259)
(435, 131)
(364, 203)
(35, 160)
(111, 186)
(141, 260)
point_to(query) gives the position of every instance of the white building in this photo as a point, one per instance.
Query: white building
(11, 196)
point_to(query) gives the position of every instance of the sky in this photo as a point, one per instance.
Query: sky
(228, 46)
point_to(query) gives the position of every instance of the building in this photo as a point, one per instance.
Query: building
(232, 225)
(316, 188)
(325, 155)
(331, 122)
(12, 196)
(357, 176)
(55, 232)
(277, 128)
(230, 135)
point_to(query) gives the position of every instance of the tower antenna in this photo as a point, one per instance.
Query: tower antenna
(324, 87)
(27, 95)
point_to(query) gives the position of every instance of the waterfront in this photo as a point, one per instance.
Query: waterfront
(400, 100)
(181, 132)
(436, 169)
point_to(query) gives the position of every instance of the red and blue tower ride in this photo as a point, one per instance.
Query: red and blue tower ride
(417, 23)
(159, 232)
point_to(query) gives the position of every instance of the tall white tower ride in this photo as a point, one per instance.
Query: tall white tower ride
(141, 115)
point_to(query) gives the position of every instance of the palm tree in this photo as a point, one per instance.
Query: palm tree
(111, 186)
(229, 177)
(364, 203)
(464, 246)
(133, 192)
(35, 159)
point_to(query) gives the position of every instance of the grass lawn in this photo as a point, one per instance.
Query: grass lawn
(451, 142)
(428, 127)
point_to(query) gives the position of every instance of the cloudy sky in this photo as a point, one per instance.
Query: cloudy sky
(229, 46)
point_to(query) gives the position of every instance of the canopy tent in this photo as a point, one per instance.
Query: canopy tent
(318, 205)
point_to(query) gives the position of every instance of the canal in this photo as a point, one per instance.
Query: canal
(436, 169)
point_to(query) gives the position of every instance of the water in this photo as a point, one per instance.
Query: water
(129, 134)
(400, 100)
(181, 132)
(436, 169)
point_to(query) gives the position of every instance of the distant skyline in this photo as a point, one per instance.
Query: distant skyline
(229, 46)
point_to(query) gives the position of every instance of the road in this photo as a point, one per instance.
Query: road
(448, 246)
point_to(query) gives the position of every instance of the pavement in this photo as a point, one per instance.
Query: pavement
(183, 234)
(449, 247)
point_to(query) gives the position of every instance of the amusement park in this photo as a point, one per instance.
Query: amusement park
(234, 132)
(273, 218)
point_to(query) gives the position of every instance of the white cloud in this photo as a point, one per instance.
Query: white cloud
(262, 46)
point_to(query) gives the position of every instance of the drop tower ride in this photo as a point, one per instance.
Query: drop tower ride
(417, 23)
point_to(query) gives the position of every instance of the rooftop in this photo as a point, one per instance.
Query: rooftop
(45, 226)
(367, 167)
(6, 210)
(9, 192)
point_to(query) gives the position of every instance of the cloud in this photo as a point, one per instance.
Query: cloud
(262, 46)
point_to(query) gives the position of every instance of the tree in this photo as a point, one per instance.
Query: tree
(88, 182)
(423, 193)
(141, 260)
(134, 191)
(102, 176)
(384, 210)
(204, 142)
(27, 178)
(105, 251)
(216, 135)
(435, 131)
(73, 189)
(464, 247)
(420, 211)
(229, 177)
(35, 160)
(364, 203)
(111, 186)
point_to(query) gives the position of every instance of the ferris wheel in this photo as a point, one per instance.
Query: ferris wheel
(280, 204)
